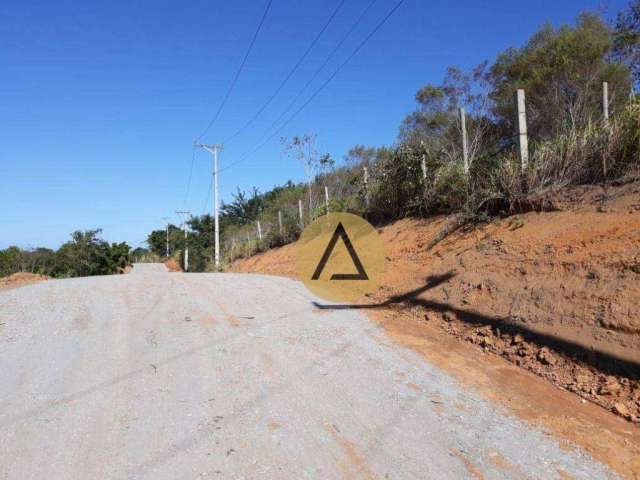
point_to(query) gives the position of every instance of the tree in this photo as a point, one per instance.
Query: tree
(561, 71)
(157, 240)
(627, 38)
(303, 149)
(244, 208)
(87, 254)
(435, 127)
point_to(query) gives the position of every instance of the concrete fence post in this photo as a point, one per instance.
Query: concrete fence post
(366, 185)
(300, 213)
(521, 126)
(280, 222)
(605, 102)
(259, 231)
(326, 198)
(465, 148)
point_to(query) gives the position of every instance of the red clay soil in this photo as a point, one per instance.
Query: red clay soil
(20, 279)
(554, 293)
(173, 265)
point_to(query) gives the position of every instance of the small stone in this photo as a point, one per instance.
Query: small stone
(621, 409)
(546, 357)
(612, 387)
(486, 342)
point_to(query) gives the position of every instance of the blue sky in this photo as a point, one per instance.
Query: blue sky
(100, 101)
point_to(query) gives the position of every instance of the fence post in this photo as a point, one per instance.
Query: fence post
(521, 125)
(605, 102)
(300, 212)
(465, 150)
(280, 222)
(259, 231)
(366, 185)
(326, 198)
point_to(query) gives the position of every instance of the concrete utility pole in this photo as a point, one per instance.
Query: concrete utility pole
(465, 149)
(423, 164)
(605, 102)
(213, 150)
(184, 227)
(521, 125)
(166, 219)
(259, 231)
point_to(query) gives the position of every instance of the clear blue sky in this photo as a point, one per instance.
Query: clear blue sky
(100, 101)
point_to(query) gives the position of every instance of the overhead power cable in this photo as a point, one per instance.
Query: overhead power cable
(245, 156)
(235, 79)
(289, 75)
(193, 159)
(324, 64)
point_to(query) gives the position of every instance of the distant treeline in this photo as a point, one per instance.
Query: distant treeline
(86, 254)
(561, 70)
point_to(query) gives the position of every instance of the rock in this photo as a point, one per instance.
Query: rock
(486, 342)
(612, 387)
(485, 331)
(621, 409)
(518, 339)
(546, 357)
(583, 378)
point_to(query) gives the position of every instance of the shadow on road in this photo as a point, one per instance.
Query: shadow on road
(606, 362)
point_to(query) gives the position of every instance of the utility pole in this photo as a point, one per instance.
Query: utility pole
(184, 227)
(166, 219)
(213, 150)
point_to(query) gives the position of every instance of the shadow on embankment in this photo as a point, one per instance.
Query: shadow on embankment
(604, 361)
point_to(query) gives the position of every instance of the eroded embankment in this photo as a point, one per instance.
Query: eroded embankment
(555, 292)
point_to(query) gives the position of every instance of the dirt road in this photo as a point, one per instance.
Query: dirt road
(165, 376)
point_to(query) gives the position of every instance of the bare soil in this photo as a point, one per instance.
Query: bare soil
(20, 279)
(173, 265)
(554, 293)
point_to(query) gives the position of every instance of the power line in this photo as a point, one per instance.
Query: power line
(193, 159)
(245, 156)
(289, 75)
(235, 79)
(324, 64)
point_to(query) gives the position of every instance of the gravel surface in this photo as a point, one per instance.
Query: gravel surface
(177, 376)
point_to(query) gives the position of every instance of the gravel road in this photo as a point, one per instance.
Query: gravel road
(161, 375)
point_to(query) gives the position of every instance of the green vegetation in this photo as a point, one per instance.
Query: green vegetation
(560, 69)
(86, 254)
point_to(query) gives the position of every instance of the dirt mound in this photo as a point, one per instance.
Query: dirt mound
(20, 279)
(173, 265)
(552, 292)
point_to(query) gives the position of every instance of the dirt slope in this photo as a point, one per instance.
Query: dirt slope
(553, 292)
(20, 279)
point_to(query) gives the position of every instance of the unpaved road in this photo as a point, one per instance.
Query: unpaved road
(183, 376)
